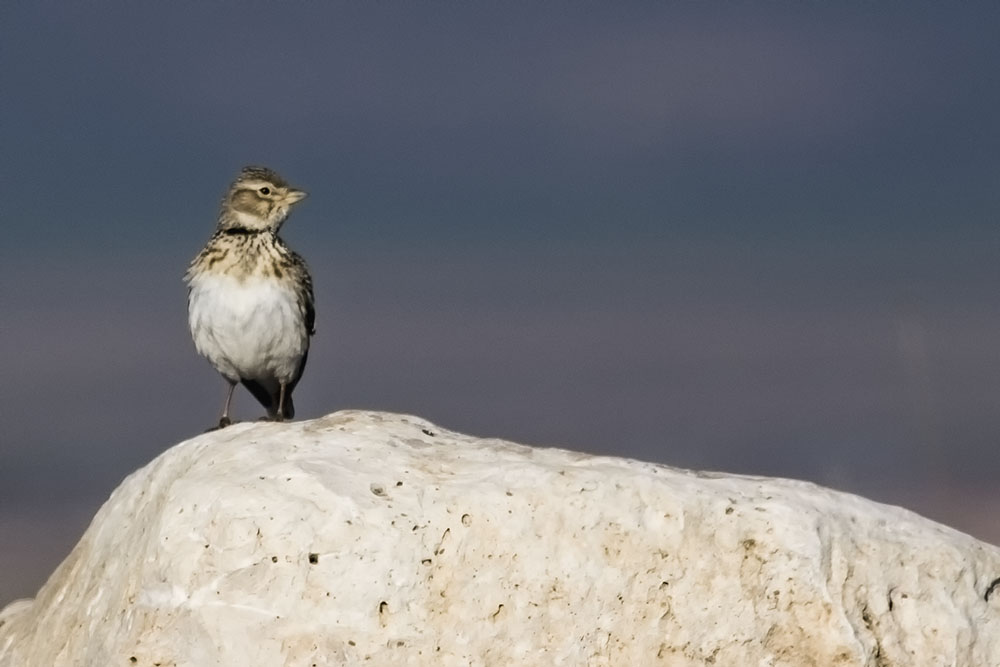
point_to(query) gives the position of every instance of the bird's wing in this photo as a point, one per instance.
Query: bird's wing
(310, 318)
(306, 300)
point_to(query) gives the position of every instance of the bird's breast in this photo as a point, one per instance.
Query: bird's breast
(253, 328)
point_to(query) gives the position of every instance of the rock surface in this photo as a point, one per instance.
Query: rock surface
(375, 539)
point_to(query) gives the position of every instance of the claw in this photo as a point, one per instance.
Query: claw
(223, 423)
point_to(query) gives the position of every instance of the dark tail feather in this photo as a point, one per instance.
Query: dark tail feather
(268, 394)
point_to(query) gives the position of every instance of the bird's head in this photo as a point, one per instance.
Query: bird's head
(258, 200)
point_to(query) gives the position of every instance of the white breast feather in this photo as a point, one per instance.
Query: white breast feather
(247, 330)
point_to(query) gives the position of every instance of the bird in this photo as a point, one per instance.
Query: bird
(251, 309)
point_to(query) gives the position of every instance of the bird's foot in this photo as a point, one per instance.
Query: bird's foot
(271, 418)
(223, 423)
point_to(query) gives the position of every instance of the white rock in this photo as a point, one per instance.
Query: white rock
(374, 539)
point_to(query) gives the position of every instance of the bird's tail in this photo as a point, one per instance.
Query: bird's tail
(268, 393)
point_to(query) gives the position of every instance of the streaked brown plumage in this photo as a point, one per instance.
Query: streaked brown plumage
(250, 298)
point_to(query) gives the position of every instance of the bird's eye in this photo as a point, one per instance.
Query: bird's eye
(265, 190)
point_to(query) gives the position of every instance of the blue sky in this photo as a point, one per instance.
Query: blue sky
(758, 238)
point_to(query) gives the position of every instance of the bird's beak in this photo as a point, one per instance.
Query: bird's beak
(295, 196)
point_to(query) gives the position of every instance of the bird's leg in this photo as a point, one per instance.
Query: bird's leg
(224, 420)
(280, 417)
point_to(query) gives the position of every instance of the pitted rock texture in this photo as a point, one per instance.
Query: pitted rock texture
(367, 538)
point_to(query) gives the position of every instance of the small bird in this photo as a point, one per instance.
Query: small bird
(250, 297)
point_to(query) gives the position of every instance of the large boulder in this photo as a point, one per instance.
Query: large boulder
(365, 538)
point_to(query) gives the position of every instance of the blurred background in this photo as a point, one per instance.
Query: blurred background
(759, 238)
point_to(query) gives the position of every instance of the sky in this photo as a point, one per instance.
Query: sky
(758, 238)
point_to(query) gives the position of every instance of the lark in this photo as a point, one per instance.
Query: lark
(250, 297)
